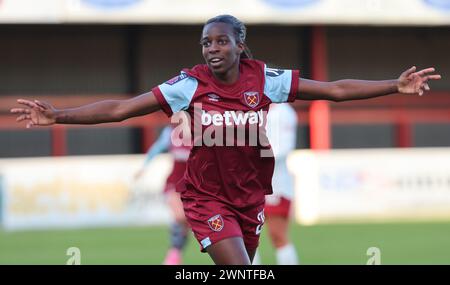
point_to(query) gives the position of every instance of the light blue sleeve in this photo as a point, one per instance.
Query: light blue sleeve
(277, 84)
(162, 144)
(179, 91)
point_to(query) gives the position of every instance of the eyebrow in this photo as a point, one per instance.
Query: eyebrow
(219, 36)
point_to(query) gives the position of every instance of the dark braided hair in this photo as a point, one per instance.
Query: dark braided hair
(239, 29)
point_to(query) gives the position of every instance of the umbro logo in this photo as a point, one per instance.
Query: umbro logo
(213, 97)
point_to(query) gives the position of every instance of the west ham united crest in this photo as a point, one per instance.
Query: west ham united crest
(251, 98)
(216, 223)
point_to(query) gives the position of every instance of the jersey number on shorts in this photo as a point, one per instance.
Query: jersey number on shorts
(261, 219)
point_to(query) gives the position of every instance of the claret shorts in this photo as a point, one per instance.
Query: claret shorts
(212, 221)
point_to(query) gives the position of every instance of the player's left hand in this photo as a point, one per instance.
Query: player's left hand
(412, 82)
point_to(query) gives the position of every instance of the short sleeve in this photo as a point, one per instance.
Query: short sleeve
(176, 94)
(280, 85)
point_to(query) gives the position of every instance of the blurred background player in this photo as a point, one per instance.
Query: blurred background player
(282, 133)
(179, 229)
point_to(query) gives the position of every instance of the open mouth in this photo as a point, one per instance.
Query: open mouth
(215, 61)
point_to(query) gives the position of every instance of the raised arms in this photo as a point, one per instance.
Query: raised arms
(36, 113)
(409, 82)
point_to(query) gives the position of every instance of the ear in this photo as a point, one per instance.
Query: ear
(241, 48)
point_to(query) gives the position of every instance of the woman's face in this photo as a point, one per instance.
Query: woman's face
(219, 47)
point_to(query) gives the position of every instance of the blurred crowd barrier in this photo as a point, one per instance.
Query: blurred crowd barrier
(82, 191)
(371, 185)
(357, 185)
(385, 12)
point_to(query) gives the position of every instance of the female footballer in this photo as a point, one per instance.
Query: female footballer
(228, 172)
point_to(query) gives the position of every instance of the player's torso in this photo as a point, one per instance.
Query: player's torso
(229, 134)
(241, 105)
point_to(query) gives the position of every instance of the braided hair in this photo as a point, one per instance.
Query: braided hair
(239, 29)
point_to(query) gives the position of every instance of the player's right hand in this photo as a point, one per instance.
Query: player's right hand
(36, 113)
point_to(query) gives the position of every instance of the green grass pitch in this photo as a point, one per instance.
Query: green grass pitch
(399, 243)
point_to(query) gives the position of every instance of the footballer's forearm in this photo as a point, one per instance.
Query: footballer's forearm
(95, 113)
(345, 90)
(351, 89)
(109, 110)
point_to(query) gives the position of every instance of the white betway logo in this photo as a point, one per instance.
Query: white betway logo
(214, 128)
(230, 118)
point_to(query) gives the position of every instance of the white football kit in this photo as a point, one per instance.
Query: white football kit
(282, 133)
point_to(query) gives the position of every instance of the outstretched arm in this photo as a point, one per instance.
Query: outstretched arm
(409, 82)
(37, 113)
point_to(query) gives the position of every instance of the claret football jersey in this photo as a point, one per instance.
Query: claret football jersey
(231, 159)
